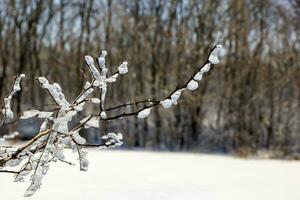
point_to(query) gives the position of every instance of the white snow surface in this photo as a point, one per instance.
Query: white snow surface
(129, 175)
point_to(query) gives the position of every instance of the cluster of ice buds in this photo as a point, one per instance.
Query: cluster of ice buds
(54, 134)
(214, 58)
(100, 79)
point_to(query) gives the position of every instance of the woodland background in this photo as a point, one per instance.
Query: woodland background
(250, 102)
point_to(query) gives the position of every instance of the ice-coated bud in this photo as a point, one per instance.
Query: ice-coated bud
(213, 58)
(144, 113)
(167, 103)
(123, 69)
(89, 60)
(198, 76)
(103, 53)
(95, 100)
(192, 85)
(43, 80)
(176, 95)
(103, 115)
(219, 51)
(205, 68)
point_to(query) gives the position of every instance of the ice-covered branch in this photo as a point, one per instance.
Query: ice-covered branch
(6, 107)
(34, 158)
(172, 98)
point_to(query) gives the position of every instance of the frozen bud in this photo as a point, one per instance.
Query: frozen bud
(213, 58)
(198, 76)
(167, 103)
(103, 53)
(176, 95)
(95, 100)
(103, 115)
(89, 60)
(144, 113)
(205, 68)
(218, 51)
(43, 80)
(192, 85)
(123, 69)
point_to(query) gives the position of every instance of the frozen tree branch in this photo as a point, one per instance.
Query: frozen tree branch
(33, 159)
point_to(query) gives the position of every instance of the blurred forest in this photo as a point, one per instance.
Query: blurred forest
(250, 102)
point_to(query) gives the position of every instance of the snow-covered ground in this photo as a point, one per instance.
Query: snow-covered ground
(126, 175)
